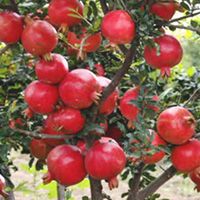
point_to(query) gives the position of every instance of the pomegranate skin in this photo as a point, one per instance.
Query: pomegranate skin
(118, 27)
(59, 12)
(11, 27)
(176, 125)
(170, 54)
(110, 103)
(79, 89)
(195, 176)
(128, 110)
(66, 165)
(164, 10)
(52, 72)
(114, 132)
(186, 157)
(41, 97)
(39, 38)
(74, 43)
(65, 121)
(105, 160)
(2, 187)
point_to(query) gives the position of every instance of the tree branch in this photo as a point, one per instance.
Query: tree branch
(157, 183)
(135, 185)
(96, 189)
(14, 6)
(41, 135)
(60, 192)
(197, 30)
(4, 49)
(195, 95)
(104, 6)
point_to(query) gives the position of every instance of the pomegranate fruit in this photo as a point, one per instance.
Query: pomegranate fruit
(114, 132)
(105, 159)
(39, 148)
(195, 176)
(127, 109)
(79, 89)
(62, 12)
(110, 103)
(186, 157)
(65, 165)
(39, 37)
(73, 43)
(82, 146)
(170, 53)
(11, 27)
(41, 97)
(158, 155)
(176, 125)
(65, 121)
(118, 27)
(52, 72)
(164, 10)
(3, 186)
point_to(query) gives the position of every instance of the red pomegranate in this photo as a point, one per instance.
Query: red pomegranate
(41, 97)
(186, 157)
(118, 27)
(39, 37)
(164, 10)
(170, 54)
(65, 165)
(65, 121)
(3, 186)
(195, 176)
(105, 159)
(73, 43)
(176, 125)
(53, 71)
(79, 89)
(114, 132)
(39, 148)
(110, 103)
(82, 146)
(62, 12)
(129, 110)
(158, 155)
(11, 27)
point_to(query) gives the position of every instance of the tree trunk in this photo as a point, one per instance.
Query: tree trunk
(61, 192)
(96, 189)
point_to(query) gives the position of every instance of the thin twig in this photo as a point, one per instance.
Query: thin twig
(193, 96)
(197, 30)
(104, 6)
(4, 49)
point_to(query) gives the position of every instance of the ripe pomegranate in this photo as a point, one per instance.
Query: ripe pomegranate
(73, 43)
(105, 159)
(53, 71)
(3, 186)
(195, 177)
(39, 37)
(65, 165)
(114, 132)
(11, 27)
(39, 149)
(186, 157)
(99, 69)
(65, 121)
(110, 103)
(164, 10)
(176, 125)
(41, 97)
(61, 12)
(127, 109)
(82, 146)
(154, 158)
(118, 27)
(170, 53)
(79, 89)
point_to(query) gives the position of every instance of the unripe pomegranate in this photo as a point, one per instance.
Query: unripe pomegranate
(62, 12)
(39, 37)
(79, 89)
(39, 148)
(3, 186)
(53, 71)
(168, 53)
(176, 125)
(127, 109)
(114, 132)
(158, 155)
(110, 103)
(41, 97)
(105, 160)
(186, 157)
(11, 27)
(65, 121)
(65, 165)
(118, 27)
(164, 10)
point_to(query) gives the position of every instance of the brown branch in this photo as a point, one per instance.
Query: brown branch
(197, 30)
(195, 95)
(135, 185)
(104, 6)
(4, 49)
(14, 5)
(157, 183)
(42, 135)
(197, 135)
(96, 189)
(60, 192)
